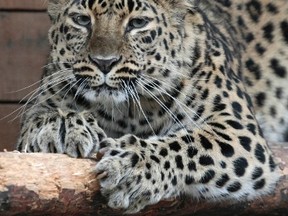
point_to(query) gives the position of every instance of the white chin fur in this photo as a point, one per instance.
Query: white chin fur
(106, 96)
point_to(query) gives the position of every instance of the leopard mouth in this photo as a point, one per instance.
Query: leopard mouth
(93, 92)
(104, 88)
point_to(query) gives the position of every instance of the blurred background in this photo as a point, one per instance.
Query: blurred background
(23, 53)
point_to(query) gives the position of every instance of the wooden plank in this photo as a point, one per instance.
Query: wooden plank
(23, 53)
(9, 129)
(23, 4)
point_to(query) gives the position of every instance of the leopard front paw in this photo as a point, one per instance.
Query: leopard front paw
(128, 180)
(75, 134)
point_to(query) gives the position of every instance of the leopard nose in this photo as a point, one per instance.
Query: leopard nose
(105, 64)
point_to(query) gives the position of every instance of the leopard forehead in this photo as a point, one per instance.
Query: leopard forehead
(120, 4)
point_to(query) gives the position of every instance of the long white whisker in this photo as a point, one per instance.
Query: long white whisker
(71, 87)
(136, 100)
(42, 101)
(166, 84)
(53, 80)
(44, 88)
(22, 109)
(37, 82)
(135, 104)
(134, 93)
(181, 105)
(80, 89)
(127, 98)
(163, 106)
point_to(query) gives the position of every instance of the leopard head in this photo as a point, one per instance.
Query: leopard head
(113, 47)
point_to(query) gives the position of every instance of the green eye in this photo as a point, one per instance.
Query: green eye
(137, 23)
(82, 20)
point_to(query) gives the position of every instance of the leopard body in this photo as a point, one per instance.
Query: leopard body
(180, 96)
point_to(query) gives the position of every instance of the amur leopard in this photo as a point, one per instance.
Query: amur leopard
(179, 96)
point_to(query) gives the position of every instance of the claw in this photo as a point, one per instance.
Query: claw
(103, 150)
(101, 175)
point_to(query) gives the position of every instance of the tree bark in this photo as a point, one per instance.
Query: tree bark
(51, 184)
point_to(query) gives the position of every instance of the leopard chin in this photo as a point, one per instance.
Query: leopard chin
(106, 96)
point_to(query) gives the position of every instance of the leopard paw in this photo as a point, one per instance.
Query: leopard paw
(127, 180)
(82, 135)
(75, 134)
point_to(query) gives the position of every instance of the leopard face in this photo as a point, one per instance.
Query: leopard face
(110, 47)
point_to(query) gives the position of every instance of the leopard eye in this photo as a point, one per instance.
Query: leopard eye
(137, 23)
(82, 20)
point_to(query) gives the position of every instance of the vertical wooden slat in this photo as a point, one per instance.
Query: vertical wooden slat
(23, 53)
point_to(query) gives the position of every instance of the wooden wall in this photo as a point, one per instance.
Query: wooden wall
(23, 53)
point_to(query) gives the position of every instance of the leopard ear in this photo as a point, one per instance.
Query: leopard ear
(55, 7)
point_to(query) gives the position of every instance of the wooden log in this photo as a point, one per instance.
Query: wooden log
(50, 184)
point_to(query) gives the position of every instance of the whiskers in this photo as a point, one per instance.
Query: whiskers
(131, 91)
(47, 84)
(146, 90)
(141, 93)
(146, 83)
(161, 99)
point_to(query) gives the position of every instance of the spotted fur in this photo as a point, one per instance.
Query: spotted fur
(170, 91)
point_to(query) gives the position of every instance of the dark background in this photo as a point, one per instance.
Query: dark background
(23, 53)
